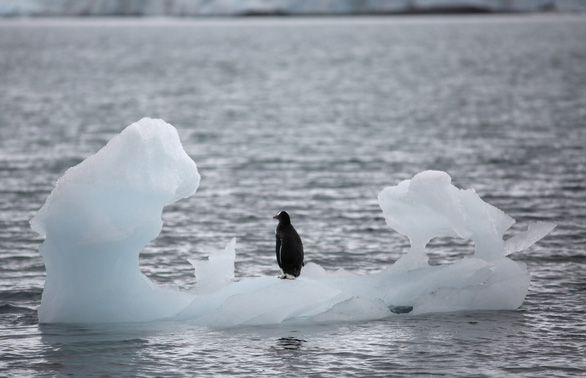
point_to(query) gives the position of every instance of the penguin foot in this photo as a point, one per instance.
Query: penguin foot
(282, 276)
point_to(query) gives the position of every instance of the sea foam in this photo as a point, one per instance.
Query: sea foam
(103, 211)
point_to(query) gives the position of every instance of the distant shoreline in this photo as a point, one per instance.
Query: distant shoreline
(253, 15)
(411, 12)
(359, 19)
(282, 8)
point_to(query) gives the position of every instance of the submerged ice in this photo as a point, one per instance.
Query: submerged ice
(103, 211)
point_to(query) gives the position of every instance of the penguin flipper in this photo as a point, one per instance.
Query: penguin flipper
(278, 251)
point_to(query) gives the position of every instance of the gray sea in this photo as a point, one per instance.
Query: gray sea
(313, 116)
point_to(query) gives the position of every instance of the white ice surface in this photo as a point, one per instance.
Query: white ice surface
(104, 210)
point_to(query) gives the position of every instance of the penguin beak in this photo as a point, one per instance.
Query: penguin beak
(275, 217)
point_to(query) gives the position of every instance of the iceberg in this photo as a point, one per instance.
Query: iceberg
(103, 212)
(99, 217)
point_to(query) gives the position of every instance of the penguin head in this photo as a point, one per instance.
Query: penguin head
(283, 217)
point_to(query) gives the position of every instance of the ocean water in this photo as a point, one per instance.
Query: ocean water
(314, 116)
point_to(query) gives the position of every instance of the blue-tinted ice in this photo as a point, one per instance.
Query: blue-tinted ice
(106, 209)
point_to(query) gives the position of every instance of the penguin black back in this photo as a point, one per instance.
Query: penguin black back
(289, 247)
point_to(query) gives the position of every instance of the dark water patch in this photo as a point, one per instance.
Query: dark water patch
(290, 343)
(555, 258)
(11, 309)
(32, 294)
(18, 315)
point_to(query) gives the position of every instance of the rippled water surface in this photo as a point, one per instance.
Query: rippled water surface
(314, 116)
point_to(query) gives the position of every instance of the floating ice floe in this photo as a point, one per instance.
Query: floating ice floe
(103, 212)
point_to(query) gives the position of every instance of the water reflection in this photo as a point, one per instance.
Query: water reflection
(289, 343)
(91, 350)
(290, 355)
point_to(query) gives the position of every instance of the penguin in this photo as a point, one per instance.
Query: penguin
(289, 247)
